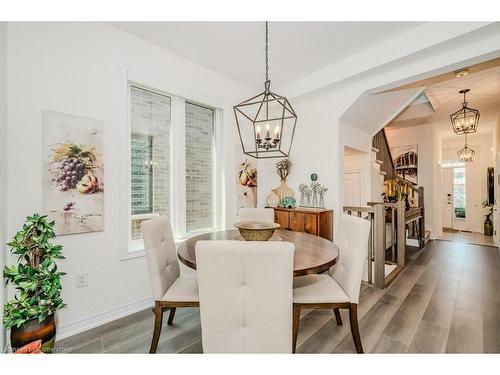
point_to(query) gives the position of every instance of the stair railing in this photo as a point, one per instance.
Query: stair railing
(380, 142)
(418, 193)
(378, 214)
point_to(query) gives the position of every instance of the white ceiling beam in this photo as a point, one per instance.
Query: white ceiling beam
(372, 112)
(415, 40)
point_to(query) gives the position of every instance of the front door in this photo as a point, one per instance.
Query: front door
(454, 203)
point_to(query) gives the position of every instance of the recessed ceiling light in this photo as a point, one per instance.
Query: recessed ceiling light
(462, 72)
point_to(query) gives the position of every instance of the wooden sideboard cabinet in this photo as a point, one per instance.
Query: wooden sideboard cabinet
(316, 221)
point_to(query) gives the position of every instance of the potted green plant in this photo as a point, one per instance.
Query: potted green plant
(30, 314)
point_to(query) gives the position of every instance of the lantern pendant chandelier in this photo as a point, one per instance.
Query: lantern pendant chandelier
(266, 122)
(466, 154)
(466, 119)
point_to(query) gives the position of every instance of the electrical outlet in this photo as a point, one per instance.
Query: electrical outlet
(82, 279)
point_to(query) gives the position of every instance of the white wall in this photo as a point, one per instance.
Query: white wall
(3, 163)
(81, 69)
(315, 148)
(475, 175)
(422, 136)
(436, 209)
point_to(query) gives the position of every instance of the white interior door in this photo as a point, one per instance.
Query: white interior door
(447, 205)
(352, 189)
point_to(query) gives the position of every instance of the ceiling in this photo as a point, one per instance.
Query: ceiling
(443, 98)
(484, 87)
(236, 49)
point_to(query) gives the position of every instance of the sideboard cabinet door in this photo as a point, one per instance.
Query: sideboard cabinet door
(301, 222)
(283, 219)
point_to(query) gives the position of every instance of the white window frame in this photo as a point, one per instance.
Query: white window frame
(133, 249)
(451, 163)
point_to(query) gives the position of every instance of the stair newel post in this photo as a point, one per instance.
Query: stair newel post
(401, 232)
(421, 221)
(370, 248)
(379, 231)
(393, 234)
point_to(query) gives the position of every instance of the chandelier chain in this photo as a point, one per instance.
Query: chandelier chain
(267, 58)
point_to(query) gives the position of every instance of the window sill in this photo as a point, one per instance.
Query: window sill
(133, 254)
(144, 216)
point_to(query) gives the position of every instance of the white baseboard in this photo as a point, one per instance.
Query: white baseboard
(71, 329)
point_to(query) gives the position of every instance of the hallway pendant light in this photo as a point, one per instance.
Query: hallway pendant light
(466, 154)
(266, 122)
(466, 119)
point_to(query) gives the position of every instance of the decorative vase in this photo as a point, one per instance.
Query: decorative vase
(283, 191)
(253, 189)
(321, 199)
(272, 199)
(308, 198)
(314, 189)
(488, 226)
(32, 331)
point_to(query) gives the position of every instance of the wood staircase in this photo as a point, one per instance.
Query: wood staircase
(393, 225)
(384, 159)
(426, 238)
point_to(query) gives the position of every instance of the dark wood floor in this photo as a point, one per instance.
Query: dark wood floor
(447, 300)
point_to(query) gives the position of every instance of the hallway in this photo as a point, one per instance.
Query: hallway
(473, 238)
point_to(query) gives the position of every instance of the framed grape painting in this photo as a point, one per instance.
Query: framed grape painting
(73, 172)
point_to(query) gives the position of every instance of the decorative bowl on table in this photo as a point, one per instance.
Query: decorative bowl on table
(256, 230)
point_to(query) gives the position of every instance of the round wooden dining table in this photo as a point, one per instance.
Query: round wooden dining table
(312, 254)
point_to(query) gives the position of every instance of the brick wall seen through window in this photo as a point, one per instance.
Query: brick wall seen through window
(200, 144)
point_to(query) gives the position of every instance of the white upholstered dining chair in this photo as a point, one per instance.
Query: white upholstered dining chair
(171, 289)
(339, 288)
(245, 296)
(257, 214)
